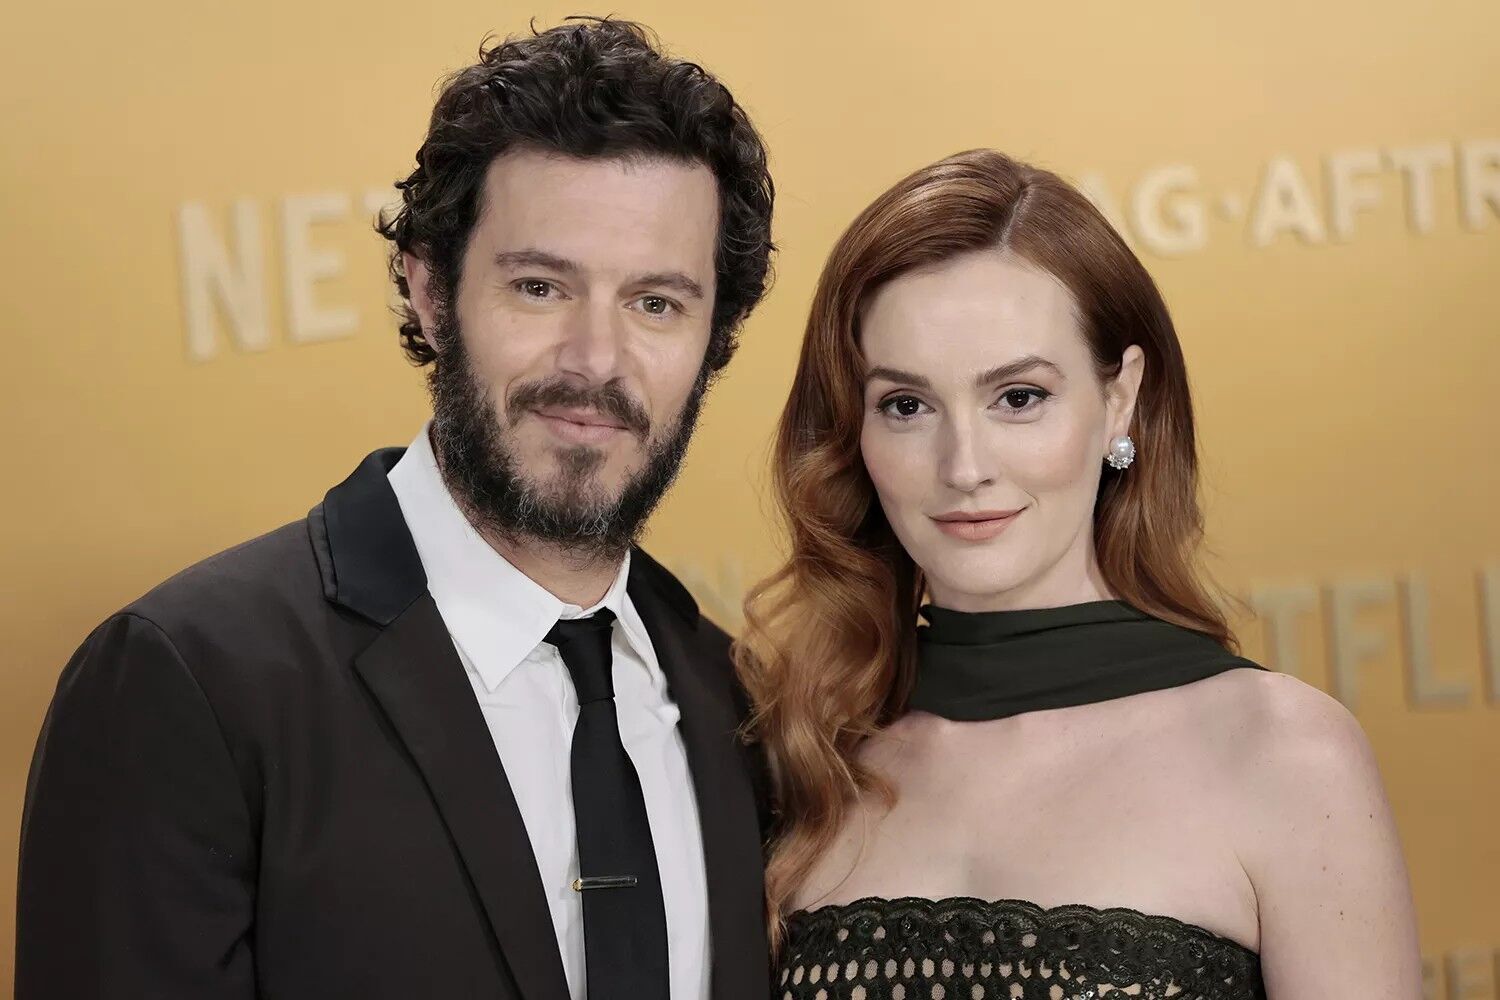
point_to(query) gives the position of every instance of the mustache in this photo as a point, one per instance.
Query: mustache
(611, 399)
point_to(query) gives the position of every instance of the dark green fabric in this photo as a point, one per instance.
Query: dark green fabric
(975, 666)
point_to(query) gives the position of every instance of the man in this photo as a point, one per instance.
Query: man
(453, 735)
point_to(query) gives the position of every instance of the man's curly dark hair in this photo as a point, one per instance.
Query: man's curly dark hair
(593, 87)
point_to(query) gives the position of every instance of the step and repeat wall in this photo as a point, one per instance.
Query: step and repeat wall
(200, 337)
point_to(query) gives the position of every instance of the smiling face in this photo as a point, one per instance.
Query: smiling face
(986, 425)
(570, 361)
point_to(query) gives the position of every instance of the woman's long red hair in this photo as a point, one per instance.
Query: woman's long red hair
(828, 649)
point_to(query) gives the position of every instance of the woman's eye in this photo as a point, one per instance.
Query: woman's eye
(901, 407)
(1021, 399)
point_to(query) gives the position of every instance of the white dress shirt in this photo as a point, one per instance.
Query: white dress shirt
(498, 617)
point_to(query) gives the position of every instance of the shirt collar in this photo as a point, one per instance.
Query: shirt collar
(495, 613)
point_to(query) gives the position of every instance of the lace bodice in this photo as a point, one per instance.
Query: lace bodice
(969, 949)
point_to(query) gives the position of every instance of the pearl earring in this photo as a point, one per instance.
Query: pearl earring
(1121, 452)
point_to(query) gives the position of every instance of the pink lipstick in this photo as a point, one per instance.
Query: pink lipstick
(975, 526)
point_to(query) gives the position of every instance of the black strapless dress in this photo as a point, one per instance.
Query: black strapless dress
(988, 666)
(970, 949)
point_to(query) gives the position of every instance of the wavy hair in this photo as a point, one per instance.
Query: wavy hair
(828, 651)
(595, 87)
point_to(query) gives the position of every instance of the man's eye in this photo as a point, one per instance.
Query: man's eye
(535, 289)
(655, 305)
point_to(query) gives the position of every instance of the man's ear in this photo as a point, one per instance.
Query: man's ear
(419, 292)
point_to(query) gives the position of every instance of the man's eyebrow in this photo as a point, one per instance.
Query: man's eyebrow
(896, 375)
(674, 280)
(1012, 369)
(535, 258)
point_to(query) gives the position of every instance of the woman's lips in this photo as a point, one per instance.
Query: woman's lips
(975, 527)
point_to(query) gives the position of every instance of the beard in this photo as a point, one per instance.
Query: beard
(569, 510)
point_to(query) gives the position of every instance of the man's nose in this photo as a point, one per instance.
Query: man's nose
(593, 342)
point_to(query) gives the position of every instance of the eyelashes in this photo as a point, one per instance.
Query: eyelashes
(650, 304)
(897, 407)
(1020, 400)
(534, 288)
(668, 306)
(903, 407)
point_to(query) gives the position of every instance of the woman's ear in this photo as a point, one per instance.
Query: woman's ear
(1124, 389)
(419, 293)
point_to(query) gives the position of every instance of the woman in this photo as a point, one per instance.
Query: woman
(1064, 784)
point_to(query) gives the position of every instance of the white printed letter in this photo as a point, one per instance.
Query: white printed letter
(1478, 181)
(208, 274)
(1425, 688)
(305, 267)
(1349, 645)
(1416, 164)
(1350, 188)
(1284, 204)
(1279, 608)
(1182, 228)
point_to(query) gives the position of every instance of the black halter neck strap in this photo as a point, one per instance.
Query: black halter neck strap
(974, 666)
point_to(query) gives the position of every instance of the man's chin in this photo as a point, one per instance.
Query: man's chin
(612, 463)
(556, 489)
(573, 496)
(599, 472)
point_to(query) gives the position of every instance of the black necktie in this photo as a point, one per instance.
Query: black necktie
(624, 920)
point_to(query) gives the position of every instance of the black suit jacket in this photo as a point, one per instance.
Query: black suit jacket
(269, 777)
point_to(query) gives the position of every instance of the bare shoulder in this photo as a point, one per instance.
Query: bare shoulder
(1279, 752)
(1306, 787)
(1276, 730)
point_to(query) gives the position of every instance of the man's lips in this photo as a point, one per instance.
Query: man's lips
(975, 526)
(578, 426)
(586, 418)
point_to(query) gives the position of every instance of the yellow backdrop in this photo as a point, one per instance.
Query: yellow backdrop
(199, 342)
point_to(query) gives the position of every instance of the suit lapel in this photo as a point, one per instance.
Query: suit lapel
(416, 676)
(371, 567)
(721, 784)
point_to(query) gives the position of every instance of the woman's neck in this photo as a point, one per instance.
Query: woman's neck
(1054, 590)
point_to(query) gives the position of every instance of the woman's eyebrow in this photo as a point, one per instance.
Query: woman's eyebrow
(1001, 373)
(896, 375)
(1012, 369)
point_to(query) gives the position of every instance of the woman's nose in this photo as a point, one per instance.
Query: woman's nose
(965, 464)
